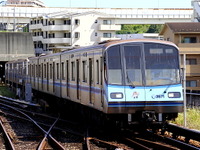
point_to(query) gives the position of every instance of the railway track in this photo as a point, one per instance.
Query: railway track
(48, 141)
(51, 132)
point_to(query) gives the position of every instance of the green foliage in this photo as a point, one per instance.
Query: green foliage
(134, 29)
(192, 119)
(155, 28)
(4, 91)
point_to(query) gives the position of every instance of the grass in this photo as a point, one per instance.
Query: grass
(4, 91)
(192, 119)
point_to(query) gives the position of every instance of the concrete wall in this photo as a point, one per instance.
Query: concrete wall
(15, 45)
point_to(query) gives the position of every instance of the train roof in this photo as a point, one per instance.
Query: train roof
(105, 45)
(138, 40)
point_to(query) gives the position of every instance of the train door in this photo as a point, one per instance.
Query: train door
(134, 89)
(91, 81)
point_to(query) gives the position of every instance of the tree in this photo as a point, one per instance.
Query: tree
(134, 29)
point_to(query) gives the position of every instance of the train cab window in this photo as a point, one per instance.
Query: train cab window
(162, 65)
(84, 64)
(114, 68)
(133, 65)
(73, 71)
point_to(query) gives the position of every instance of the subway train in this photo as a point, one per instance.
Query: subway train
(135, 79)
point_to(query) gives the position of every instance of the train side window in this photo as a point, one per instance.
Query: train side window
(29, 70)
(63, 71)
(45, 71)
(101, 70)
(33, 70)
(39, 69)
(73, 70)
(51, 72)
(84, 64)
(57, 71)
(97, 73)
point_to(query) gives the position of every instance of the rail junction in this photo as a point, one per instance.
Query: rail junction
(25, 127)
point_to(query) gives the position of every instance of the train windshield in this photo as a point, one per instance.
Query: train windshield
(114, 65)
(150, 64)
(161, 64)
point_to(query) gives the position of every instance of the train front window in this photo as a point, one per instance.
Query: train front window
(133, 66)
(114, 67)
(162, 65)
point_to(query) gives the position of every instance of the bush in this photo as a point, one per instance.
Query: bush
(4, 91)
(192, 119)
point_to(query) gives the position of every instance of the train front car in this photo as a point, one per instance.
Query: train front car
(143, 79)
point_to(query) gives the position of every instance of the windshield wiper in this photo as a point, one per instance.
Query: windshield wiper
(130, 81)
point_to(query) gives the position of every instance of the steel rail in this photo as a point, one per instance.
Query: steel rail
(187, 133)
(173, 142)
(50, 139)
(45, 132)
(6, 137)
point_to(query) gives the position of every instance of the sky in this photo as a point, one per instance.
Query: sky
(119, 3)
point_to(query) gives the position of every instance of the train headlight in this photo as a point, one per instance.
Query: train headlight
(174, 94)
(116, 95)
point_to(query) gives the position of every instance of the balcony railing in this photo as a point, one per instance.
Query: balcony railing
(192, 45)
(35, 26)
(110, 27)
(57, 41)
(56, 28)
(193, 70)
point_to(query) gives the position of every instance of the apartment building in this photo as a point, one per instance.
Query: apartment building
(65, 30)
(187, 37)
(25, 3)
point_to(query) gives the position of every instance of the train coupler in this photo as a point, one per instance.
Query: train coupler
(148, 116)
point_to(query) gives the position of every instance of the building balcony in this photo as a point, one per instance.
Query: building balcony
(109, 27)
(189, 48)
(37, 38)
(35, 26)
(189, 45)
(57, 41)
(56, 28)
(193, 70)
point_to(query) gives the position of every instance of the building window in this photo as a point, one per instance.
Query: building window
(52, 35)
(77, 21)
(96, 34)
(96, 21)
(190, 40)
(191, 83)
(107, 35)
(67, 22)
(77, 34)
(67, 35)
(191, 61)
(106, 22)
